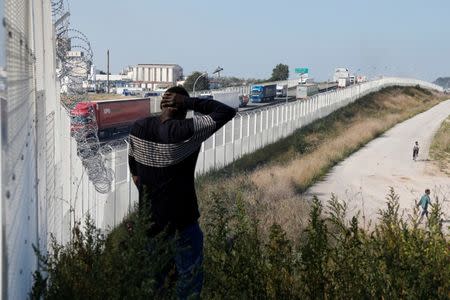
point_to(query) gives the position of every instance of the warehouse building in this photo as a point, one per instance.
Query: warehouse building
(156, 76)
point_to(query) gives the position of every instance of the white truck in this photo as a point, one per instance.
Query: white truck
(305, 80)
(306, 90)
(282, 90)
(231, 99)
(343, 82)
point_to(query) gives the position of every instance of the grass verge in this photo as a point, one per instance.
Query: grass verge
(440, 147)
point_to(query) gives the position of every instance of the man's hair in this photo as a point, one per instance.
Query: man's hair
(427, 190)
(178, 90)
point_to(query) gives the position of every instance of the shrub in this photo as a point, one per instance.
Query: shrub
(333, 258)
(126, 265)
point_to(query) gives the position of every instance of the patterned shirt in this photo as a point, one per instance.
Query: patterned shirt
(164, 154)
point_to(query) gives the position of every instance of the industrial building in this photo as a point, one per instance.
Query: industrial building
(156, 76)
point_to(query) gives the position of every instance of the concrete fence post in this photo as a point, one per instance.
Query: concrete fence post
(232, 138)
(214, 149)
(224, 144)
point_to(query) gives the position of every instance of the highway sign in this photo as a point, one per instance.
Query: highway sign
(301, 70)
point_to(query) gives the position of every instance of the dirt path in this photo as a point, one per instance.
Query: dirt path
(365, 177)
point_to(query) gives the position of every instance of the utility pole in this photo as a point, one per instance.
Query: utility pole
(107, 71)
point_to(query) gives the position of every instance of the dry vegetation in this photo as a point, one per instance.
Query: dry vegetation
(272, 180)
(440, 147)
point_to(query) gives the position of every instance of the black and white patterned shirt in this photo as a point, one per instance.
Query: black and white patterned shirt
(164, 155)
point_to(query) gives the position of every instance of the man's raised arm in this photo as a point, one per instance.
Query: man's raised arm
(219, 112)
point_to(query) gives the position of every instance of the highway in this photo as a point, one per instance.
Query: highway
(118, 138)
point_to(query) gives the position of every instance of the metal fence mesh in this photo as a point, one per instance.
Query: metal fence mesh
(19, 175)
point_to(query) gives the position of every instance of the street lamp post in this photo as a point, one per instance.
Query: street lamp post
(195, 82)
(217, 70)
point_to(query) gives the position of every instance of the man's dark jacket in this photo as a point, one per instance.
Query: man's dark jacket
(163, 155)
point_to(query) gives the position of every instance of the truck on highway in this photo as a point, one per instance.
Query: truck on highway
(303, 80)
(111, 116)
(282, 90)
(306, 90)
(230, 98)
(263, 93)
(343, 82)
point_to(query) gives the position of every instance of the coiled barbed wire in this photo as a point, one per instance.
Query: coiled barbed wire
(88, 149)
(58, 8)
(74, 69)
(72, 73)
(60, 14)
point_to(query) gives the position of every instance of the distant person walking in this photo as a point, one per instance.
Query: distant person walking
(162, 159)
(423, 203)
(415, 150)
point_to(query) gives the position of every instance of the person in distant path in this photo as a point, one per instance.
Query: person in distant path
(424, 202)
(415, 150)
(162, 158)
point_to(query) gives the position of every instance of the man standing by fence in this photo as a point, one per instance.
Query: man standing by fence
(163, 155)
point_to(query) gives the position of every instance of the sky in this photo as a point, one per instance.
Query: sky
(247, 38)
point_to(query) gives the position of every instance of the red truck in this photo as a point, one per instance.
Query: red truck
(112, 116)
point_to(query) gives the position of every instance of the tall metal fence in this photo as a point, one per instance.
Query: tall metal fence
(28, 98)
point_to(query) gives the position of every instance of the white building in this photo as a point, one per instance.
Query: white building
(156, 76)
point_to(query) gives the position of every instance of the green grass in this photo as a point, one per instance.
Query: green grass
(440, 147)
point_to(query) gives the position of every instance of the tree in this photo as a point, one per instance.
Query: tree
(202, 83)
(280, 72)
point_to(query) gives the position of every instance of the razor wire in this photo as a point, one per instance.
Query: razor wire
(73, 70)
(75, 56)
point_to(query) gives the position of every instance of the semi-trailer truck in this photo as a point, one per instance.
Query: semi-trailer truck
(343, 82)
(282, 90)
(306, 90)
(112, 116)
(263, 93)
(232, 99)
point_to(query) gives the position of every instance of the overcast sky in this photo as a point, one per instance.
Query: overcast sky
(248, 38)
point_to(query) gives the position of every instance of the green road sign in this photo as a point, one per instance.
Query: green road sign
(301, 70)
